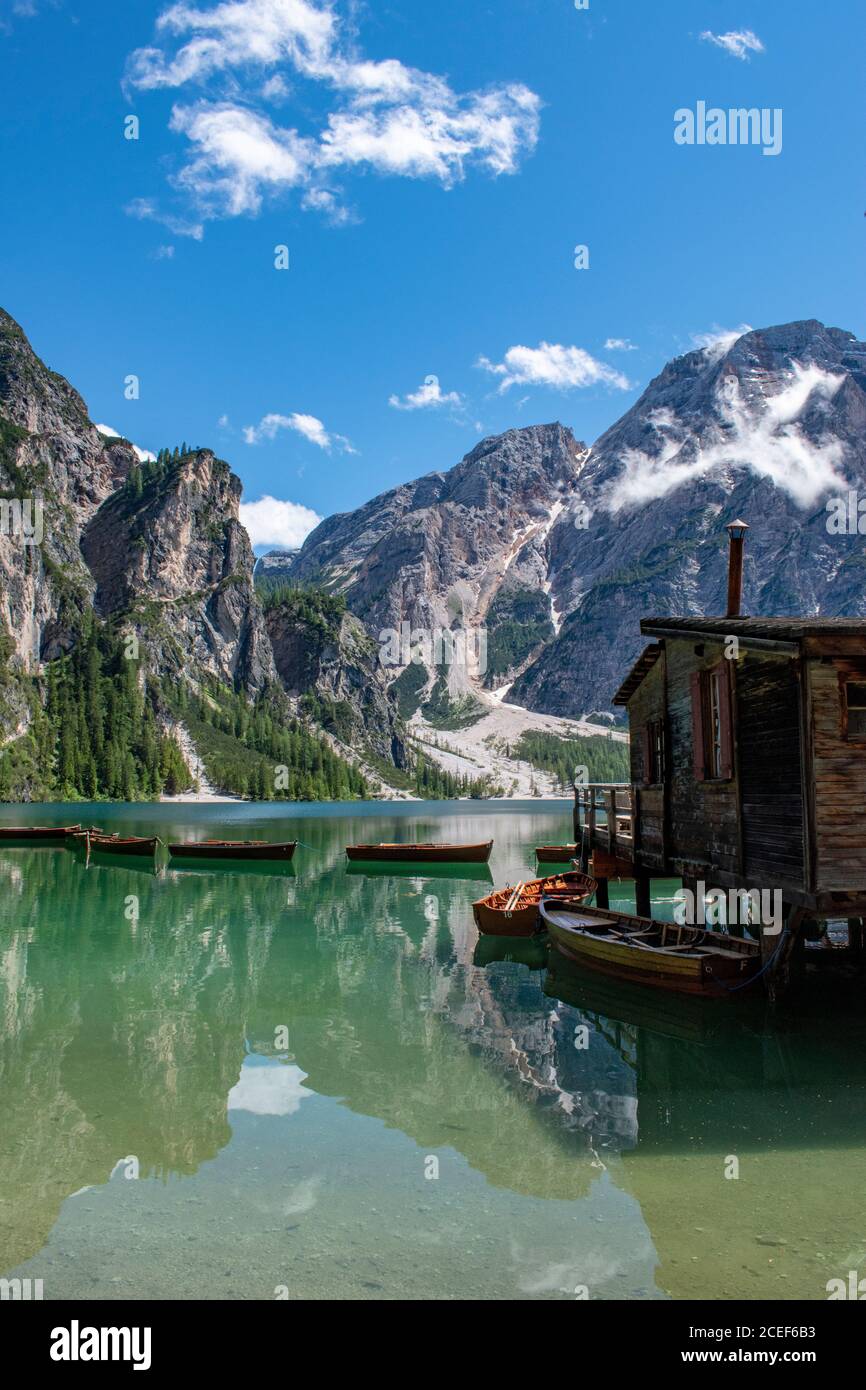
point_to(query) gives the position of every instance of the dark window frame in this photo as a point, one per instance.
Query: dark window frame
(713, 723)
(655, 744)
(712, 695)
(856, 735)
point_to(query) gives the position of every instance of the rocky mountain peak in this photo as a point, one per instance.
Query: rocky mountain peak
(31, 396)
(765, 425)
(400, 556)
(52, 450)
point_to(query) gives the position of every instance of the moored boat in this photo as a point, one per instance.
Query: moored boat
(121, 844)
(556, 854)
(37, 832)
(81, 833)
(685, 959)
(233, 849)
(514, 911)
(422, 853)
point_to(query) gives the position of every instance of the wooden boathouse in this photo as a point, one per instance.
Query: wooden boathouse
(748, 761)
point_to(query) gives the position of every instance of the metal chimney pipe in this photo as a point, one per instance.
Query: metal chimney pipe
(737, 532)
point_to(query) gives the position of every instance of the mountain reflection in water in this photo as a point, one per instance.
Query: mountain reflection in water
(275, 1058)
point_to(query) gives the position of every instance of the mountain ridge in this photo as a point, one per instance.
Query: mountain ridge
(765, 427)
(534, 556)
(763, 423)
(145, 568)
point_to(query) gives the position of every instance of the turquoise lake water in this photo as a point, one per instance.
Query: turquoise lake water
(229, 1083)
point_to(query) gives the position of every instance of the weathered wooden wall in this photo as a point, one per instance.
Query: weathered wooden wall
(793, 814)
(704, 826)
(840, 779)
(768, 732)
(647, 703)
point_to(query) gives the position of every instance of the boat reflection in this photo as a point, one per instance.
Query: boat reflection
(529, 951)
(232, 868)
(474, 873)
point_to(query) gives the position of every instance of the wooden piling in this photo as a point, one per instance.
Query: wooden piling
(642, 894)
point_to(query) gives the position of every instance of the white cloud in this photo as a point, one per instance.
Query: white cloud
(163, 253)
(768, 441)
(738, 42)
(551, 364)
(620, 345)
(239, 156)
(718, 341)
(327, 202)
(146, 210)
(236, 33)
(276, 90)
(19, 9)
(272, 522)
(435, 136)
(143, 455)
(386, 116)
(307, 425)
(428, 396)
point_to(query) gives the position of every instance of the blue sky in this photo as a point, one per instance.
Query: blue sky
(431, 169)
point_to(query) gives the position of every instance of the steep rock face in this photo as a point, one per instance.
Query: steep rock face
(169, 553)
(71, 459)
(765, 427)
(57, 468)
(435, 553)
(176, 543)
(159, 551)
(337, 661)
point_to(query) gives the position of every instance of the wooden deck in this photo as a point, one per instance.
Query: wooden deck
(604, 828)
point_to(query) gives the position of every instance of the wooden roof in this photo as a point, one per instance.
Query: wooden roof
(771, 629)
(647, 659)
(779, 633)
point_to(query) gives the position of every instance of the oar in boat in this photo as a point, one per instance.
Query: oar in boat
(509, 906)
(514, 911)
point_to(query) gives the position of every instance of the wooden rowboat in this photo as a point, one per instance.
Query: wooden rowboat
(419, 853)
(556, 854)
(233, 849)
(687, 960)
(118, 844)
(515, 911)
(37, 832)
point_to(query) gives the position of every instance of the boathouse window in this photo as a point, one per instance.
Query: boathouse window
(654, 752)
(714, 730)
(712, 734)
(855, 708)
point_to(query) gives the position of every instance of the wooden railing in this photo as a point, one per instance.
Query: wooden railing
(604, 818)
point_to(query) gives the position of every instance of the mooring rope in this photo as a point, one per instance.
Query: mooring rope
(732, 989)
